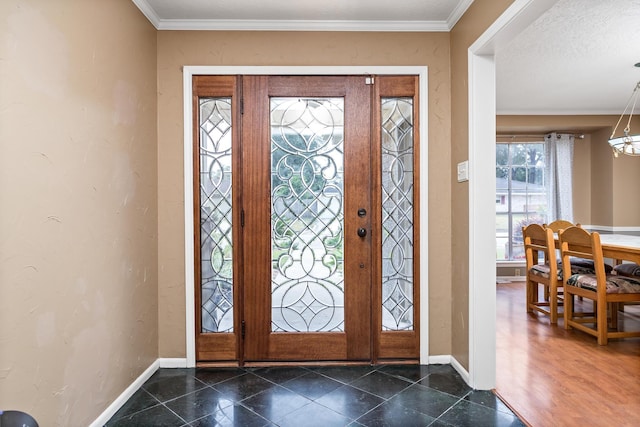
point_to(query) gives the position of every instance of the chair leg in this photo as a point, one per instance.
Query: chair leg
(614, 314)
(530, 287)
(602, 324)
(568, 308)
(553, 304)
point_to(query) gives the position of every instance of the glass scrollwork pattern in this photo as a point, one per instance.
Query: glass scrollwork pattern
(397, 214)
(307, 214)
(216, 238)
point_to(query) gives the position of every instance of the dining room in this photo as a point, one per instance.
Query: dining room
(550, 375)
(564, 360)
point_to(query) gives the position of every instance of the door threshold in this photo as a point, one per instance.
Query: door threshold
(272, 364)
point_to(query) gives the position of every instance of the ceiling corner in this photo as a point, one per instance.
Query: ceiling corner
(457, 13)
(148, 11)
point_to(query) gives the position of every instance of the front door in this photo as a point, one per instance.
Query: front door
(306, 218)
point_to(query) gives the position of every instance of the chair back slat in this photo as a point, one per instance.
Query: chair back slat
(578, 242)
(560, 224)
(542, 269)
(538, 239)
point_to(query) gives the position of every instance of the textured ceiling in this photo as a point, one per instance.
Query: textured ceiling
(577, 58)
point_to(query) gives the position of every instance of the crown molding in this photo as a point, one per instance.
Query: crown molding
(552, 112)
(457, 13)
(148, 12)
(299, 25)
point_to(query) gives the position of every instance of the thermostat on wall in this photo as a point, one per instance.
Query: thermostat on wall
(463, 171)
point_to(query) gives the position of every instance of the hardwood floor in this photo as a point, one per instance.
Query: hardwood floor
(554, 377)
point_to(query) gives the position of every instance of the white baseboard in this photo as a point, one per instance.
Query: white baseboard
(440, 360)
(450, 360)
(176, 362)
(126, 395)
(512, 278)
(621, 230)
(461, 370)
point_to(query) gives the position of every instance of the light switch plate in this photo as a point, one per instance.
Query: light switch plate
(463, 171)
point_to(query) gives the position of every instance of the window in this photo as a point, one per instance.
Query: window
(521, 195)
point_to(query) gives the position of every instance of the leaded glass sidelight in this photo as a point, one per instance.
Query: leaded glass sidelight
(216, 215)
(307, 214)
(397, 214)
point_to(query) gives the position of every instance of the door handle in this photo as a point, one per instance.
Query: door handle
(362, 232)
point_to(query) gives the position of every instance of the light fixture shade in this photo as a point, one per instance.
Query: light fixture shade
(628, 145)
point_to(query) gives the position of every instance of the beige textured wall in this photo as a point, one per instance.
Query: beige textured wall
(582, 180)
(480, 15)
(626, 176)
(613, 202)
(176, 48)
(601, 179)
(78, 198)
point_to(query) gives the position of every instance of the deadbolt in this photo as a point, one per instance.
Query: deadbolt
(362, 212)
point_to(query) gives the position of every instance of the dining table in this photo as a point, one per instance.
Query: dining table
(620, 247)
(617, 246)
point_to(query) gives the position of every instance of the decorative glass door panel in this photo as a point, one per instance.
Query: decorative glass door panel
(397, 214)
(216, 219)
(313, 299)
(395, 151)
(218, 242)
(307, 246)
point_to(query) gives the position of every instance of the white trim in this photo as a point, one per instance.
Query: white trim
(513, 20)
(482, 116)
(611, 229)
(443, 359)
(511, 278)
(460, 369)
(563, 112)
(511, 264)
(458, 12)
(125, 395)
(300, 25)
(189, 253)
(189, 71)
(176, 362)
(148, 11)
(304, 70)
(424, 217)
(482, 295)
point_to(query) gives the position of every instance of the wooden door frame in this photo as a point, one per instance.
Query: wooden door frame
(190, 71)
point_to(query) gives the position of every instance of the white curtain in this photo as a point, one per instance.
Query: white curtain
(559, 166)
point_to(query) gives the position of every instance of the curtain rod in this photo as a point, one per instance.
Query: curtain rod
(540, 136)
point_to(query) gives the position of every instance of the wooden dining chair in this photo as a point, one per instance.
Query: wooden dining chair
(542, 269)
(560, 224)
(578, 265)
(629, 269)
(605, 290)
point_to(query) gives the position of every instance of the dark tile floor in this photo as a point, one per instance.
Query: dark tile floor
(386, 395)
